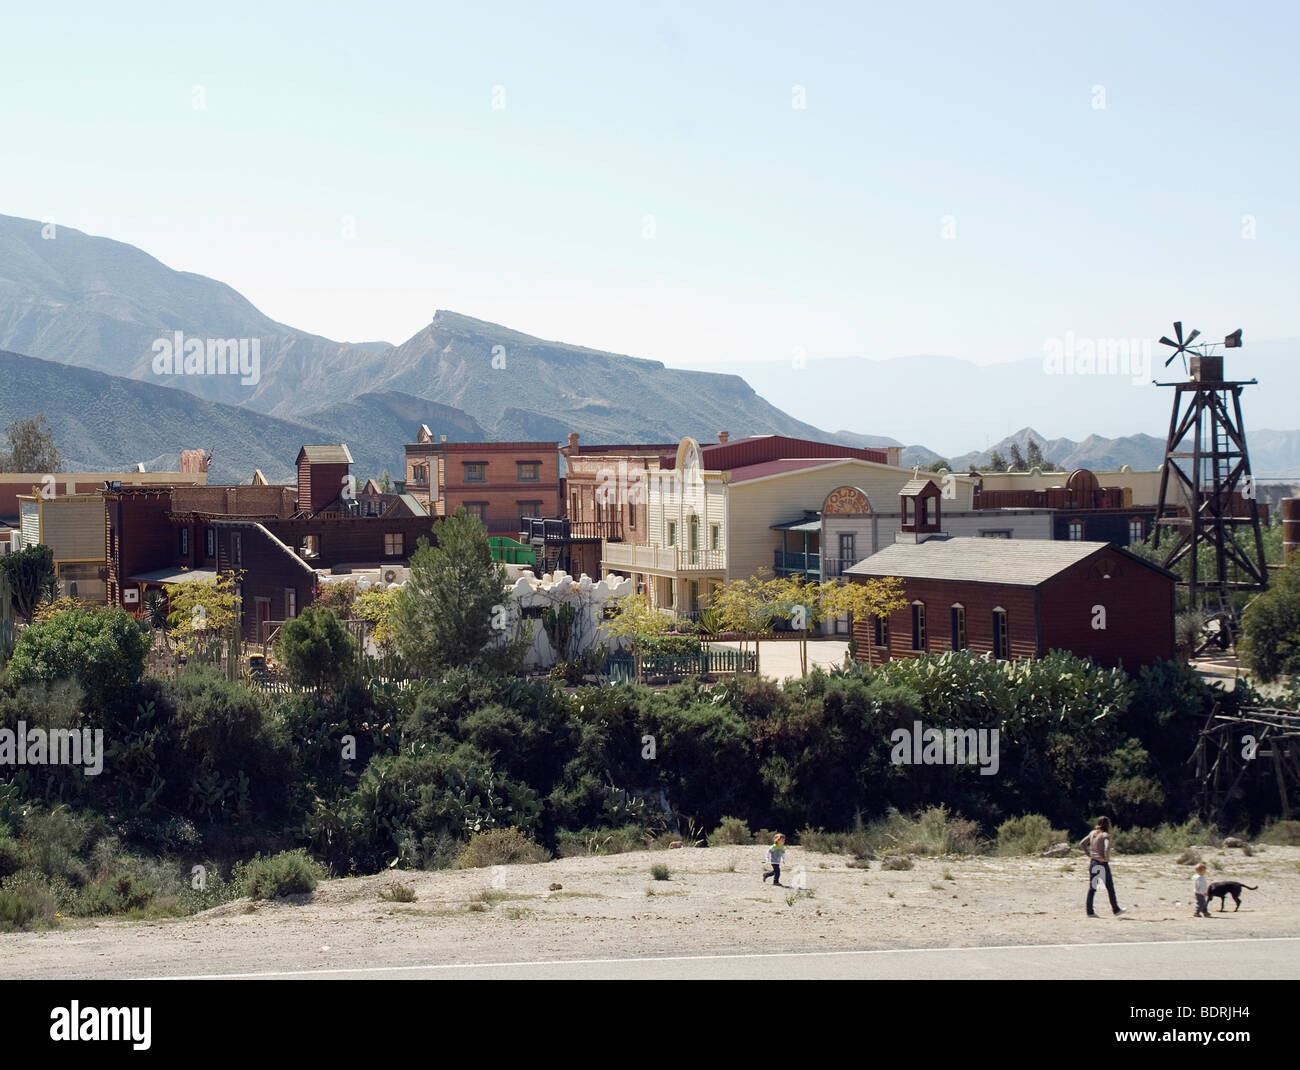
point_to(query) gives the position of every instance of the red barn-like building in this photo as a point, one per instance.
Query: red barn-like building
(1016, 598)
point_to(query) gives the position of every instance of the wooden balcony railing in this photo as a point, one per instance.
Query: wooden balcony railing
(635, 557)
(562, 529)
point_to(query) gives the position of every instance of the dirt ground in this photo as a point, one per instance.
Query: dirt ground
(713, 902)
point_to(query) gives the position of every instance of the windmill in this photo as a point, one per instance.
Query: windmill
(1207, 492)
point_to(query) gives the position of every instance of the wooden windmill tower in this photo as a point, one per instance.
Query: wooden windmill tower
(1207, 493)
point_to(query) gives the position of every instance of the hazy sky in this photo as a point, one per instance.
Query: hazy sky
(638, 177)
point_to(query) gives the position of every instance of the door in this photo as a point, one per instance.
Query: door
(848, 551)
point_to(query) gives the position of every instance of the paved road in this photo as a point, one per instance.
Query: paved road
(1268, 958)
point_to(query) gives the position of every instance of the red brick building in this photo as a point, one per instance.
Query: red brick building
(499, 482)
(1014, 598)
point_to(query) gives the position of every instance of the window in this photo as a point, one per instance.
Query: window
(185, 542)
(529, 509)
(918, 625)
(237, 548)
(476, 509)
(210, 543)
(290, 603)
(475, 471)
(995, 533)
(392, 544)
(631, 516)
(715, 536)
(311, 546)
(1135, 530)
(529, 471)
(848, 550)
(882, 631)
(958, 626)
(672, 533)
(1076, 530)
(1000, 633)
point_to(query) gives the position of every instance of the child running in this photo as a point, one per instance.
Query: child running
(775, 854)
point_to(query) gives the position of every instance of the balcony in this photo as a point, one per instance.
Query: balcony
(639, 558)
(549, 529)
(833, 567)
(786, 563)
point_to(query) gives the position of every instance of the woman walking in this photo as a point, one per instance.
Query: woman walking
(1097, 844)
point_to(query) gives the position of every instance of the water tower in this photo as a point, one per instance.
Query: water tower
(1208, 504)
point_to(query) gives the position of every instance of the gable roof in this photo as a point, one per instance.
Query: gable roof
(1010, 562)
(782, 466)
(336, 454)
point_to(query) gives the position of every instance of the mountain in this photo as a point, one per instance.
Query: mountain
(954, 405)
(107, 423)
(103, 304)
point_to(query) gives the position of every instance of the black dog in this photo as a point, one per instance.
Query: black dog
(1223, 889)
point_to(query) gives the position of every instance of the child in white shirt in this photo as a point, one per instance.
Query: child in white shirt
(1200, 889)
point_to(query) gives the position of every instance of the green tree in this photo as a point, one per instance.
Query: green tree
(103, 651)
(201, 612)
(1018, 459)
(634, 620)
(385, 483)
(940, 465)
(451, 608)
(1270, 628)
(317, 649)
(997, 463)
(30, 573)
(31, 447)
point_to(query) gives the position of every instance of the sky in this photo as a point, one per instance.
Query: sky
(694, 183)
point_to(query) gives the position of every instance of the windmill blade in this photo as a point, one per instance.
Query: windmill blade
(1178, 331)
(1164, 341)
(1171, 357)
(1190, 337)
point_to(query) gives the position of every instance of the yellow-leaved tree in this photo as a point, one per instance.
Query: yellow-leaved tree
(203, 613)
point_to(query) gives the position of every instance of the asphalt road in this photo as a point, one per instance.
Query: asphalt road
(1267, 958)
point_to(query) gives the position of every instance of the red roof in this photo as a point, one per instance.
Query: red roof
(757, 449)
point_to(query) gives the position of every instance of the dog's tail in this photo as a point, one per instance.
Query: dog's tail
(1252, 887)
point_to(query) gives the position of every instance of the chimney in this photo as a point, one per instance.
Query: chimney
(723, 436)
(573, 440)
(895, 454)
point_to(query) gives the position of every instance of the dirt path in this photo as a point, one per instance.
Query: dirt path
(714, 903)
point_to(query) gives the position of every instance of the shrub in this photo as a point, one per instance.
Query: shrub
(897, 862)
(600, 841)
(286, 873)
(25, 905)
(11, 857)
(1135, 841)
(1280, 833)
(397, 893)
(659, 871)
(1192, 831)
(1270, 628)
(1189, 858)
(857, 841)
(731, 830)
(499, 847)
(317, 649)
(115, 894)
(103, 651)
(1027, 835)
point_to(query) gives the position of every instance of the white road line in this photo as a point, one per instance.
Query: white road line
(713, 958)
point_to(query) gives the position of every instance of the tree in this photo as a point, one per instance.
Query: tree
(30, 573)
(385, 483)
(375, 607)
(939, 466)
(451, 608)
(201, 612)
(1270, 628)
(746, 605)
(338, 597)
(316, 648)
(31, 447)
(1034, 454)
(868, 599)
(635, 620)
(103, 651)
(1017, 459)
(997, 463)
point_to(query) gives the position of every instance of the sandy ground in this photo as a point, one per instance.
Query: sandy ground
(714, 903)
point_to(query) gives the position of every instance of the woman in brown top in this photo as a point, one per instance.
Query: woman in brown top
(1097, 844)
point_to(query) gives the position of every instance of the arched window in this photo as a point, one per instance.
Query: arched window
(918, 626)
(958, 626)
(1000, 643)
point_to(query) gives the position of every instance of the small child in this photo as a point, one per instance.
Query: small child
(775, 854)
(1201, 888)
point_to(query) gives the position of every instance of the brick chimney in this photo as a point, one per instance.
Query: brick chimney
(573, 440)
(723, 436)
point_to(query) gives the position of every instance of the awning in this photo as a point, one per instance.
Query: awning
(175, 575)
(811, 527)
